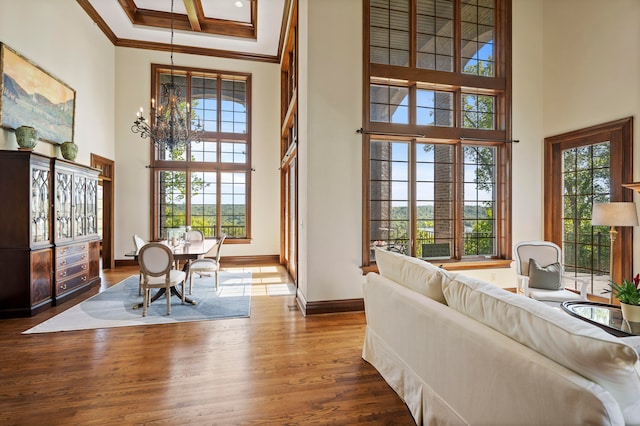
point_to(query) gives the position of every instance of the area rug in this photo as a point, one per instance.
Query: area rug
(114, 306)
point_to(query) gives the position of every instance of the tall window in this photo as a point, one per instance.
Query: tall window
(437, 129)
(207, 185)
(584, 167)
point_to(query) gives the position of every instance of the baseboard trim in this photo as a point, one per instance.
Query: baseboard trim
(330, 306)
(126, 262)
(250, 260)
(233, 260)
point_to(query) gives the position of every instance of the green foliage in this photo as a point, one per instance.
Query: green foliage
(480, 241)
(627, 292)
(586, 179)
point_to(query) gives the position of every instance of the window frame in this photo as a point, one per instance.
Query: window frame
(457, 83)
(619, 134)
(160, 165)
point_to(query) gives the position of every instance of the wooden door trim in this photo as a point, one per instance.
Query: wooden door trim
(107, 177)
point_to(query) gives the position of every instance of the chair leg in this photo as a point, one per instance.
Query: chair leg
(168, 294)
(140, 284)
(216, 280)
(184, 289)
(145, 302)
(190, 282)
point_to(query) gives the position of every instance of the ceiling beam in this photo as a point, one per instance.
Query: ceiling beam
(192, 14)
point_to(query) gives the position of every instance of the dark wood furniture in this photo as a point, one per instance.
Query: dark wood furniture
(49, 242)
(608, 317)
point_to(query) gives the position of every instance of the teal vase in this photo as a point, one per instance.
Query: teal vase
(69, 150)
(27, 138)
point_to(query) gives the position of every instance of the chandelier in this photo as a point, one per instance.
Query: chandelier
(172, 125)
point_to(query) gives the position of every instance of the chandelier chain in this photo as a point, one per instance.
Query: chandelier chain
(172, 125)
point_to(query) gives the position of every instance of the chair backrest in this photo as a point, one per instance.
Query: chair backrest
(155, 259)
(195, 235)
(138, 242)
(215, 251)
(544, 252)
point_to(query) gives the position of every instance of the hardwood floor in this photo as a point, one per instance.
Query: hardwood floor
(276, 367)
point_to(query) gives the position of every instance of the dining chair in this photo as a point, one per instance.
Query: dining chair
(156, 261)
(541, 276)
(207, 265)
(138, 242)
(194, 235)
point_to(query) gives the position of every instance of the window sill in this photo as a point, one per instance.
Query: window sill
(457, 266)
(237, 241)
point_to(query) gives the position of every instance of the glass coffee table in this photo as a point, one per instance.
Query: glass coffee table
(608, 317)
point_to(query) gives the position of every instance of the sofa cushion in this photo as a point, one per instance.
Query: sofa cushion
(546, 278)
(571, 342)
(415, 274)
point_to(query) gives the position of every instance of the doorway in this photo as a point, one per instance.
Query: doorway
(289, 217)
(106, 200)
(583, 167)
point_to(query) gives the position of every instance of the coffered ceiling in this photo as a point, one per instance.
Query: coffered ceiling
(243, 29)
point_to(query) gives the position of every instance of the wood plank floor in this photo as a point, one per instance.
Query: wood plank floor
(276, 367)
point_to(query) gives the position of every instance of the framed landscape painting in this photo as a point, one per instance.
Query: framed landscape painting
(33, 97)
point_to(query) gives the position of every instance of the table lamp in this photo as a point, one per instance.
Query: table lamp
(614, 214)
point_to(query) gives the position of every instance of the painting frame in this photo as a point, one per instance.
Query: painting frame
(31, 96)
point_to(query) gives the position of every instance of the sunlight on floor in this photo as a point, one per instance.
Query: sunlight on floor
(268, 280)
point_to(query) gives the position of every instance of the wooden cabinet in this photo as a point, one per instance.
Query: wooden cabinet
(75, 229)
(77, 266)
(25, 233)
(34, 236)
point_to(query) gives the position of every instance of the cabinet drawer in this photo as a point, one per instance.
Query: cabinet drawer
(71, 260)
(69, 271)
(71, 283)
(71, 249)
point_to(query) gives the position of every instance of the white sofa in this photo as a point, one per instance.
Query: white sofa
(460, 351)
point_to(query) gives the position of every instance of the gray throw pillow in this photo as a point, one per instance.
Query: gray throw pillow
(547, 278)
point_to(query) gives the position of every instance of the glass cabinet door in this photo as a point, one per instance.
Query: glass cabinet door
(63, 203)
(92, 206)
(79, 206)
(40, 192)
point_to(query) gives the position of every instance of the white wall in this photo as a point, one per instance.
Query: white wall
(59, 37)
(133, 82)
(592, 69)
(330, 150)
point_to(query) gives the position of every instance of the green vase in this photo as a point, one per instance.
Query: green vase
(69, 150)
(27, 138)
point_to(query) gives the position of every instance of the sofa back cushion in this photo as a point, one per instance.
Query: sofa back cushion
(575, 344)
(415, 274)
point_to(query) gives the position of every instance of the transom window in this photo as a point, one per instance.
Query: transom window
(436, 134)
(206, 185)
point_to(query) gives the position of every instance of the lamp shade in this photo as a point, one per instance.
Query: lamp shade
(614, 214)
